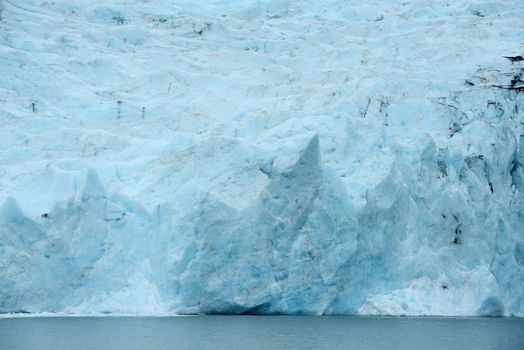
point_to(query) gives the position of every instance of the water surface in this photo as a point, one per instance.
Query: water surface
(260, 332)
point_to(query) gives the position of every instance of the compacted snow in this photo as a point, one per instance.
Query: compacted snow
(249, 156)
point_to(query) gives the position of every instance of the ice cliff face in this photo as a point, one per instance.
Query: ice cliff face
(262, 157)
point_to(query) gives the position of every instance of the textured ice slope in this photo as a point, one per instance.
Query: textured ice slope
(262, 157)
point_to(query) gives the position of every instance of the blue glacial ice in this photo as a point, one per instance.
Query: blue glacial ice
(317, 157)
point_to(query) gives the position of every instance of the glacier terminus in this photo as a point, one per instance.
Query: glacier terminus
(262, 157)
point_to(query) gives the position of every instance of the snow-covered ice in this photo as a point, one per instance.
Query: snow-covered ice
(249, 156)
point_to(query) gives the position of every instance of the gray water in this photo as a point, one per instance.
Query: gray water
(260, 332)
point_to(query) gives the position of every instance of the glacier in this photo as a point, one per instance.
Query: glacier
(262, 157)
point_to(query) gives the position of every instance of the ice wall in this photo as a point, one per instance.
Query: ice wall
(262, 157)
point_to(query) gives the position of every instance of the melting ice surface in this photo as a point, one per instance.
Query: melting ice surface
(313, 157)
